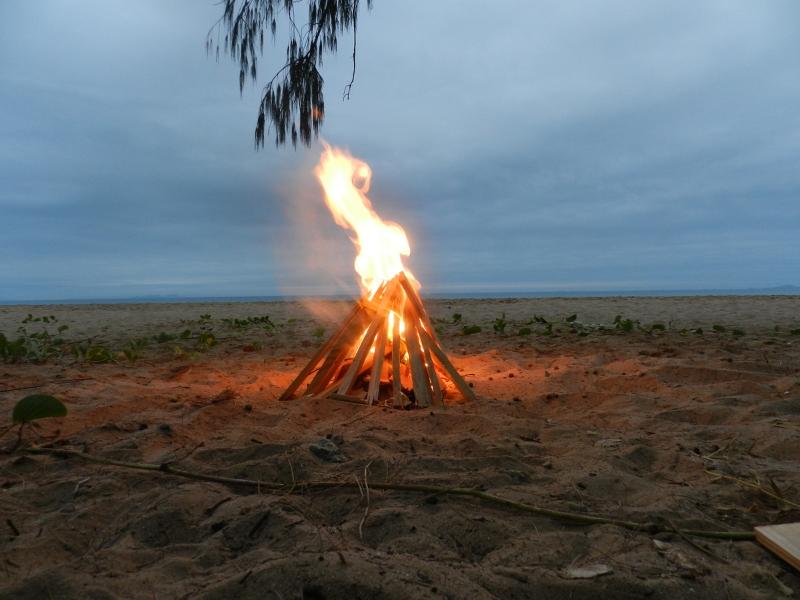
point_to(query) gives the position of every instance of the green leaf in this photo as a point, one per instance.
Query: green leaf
(38, 406)
(206, 340)
(470, 329)
(163, 337)
(500, 324)
(571, 318)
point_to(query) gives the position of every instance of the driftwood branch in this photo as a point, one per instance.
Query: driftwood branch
(45, 384)
(298, 487)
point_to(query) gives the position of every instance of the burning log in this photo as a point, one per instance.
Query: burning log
(397, 334)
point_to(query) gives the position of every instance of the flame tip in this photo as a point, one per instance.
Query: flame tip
(381, 245)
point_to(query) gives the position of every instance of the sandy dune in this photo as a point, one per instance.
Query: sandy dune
(629, 424)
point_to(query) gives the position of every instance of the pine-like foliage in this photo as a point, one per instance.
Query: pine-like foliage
(292, 103)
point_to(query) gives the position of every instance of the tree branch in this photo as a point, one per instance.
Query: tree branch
(292, 103)
(349, 86)
(298, 487)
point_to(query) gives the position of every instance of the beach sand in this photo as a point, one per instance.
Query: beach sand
(634, 424)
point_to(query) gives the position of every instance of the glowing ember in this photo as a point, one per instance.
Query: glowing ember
(381, 244)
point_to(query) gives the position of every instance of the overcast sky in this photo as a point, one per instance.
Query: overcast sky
(545, 145)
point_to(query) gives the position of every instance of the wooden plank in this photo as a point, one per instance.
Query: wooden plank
(396, 360)
(440, 355)
(416, 303)
(783, 540)
(336, 356)
(369, 337)
(326, 347)
(358, 360)
(333, 387)
(419, 375)
(343, 398)
(377, 365)
(436, 386)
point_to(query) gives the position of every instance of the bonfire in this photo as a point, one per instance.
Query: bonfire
(386, 350)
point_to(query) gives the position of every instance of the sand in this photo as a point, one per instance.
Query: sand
(629, 424)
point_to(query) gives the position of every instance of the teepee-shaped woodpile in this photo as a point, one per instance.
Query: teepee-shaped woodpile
(385, 351)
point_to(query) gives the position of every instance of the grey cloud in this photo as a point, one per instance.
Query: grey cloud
(530, 145)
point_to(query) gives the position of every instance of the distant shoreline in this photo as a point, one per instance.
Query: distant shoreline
(776, 291)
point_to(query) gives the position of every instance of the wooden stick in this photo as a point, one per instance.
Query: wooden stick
(366, 342)
(377, 364)
(416, 303)
(326, 347)
(344, 398)
(419, 375)
(337, 356)
(438, 397)
(339, 353)
(378, 295)
(429, 341)
(396, 359)
(332, 362)
(333, 387)
(373, 302)
(440, 355)
(358, 360)
(420, 317)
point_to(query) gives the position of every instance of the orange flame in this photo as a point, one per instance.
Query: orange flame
(381, 244)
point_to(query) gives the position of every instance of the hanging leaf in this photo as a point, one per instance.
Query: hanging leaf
(37, 406)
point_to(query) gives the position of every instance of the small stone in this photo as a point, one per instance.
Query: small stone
(327, 450)
(587, 572)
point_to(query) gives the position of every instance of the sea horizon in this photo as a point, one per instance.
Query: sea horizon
(783, 290)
